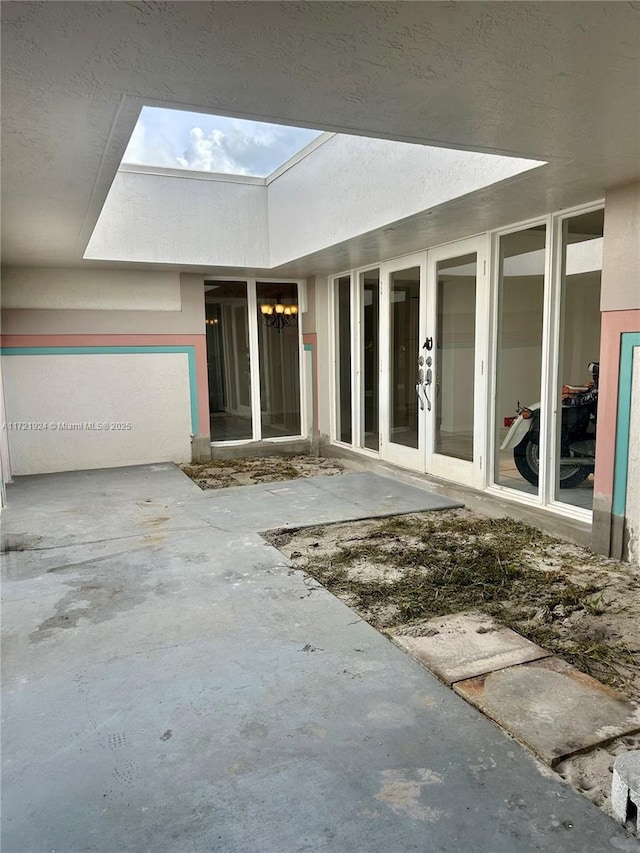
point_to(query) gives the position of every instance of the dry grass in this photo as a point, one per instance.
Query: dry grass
(226, 473)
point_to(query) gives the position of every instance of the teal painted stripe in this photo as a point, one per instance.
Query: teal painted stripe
(115, 350)
(630, 340)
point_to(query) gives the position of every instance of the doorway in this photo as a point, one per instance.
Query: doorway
(454, 355)
(434, 337)
(253, 360)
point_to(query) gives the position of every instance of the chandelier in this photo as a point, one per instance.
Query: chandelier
(278, 314)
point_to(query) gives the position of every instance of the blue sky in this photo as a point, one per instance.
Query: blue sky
(210, 143)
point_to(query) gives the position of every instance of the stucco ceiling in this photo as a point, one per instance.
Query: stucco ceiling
(551, 81)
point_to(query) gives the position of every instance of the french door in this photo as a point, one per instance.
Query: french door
(402, 329)
(455, 357)
(434, 338)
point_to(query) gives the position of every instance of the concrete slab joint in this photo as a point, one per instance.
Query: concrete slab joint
(625, 788)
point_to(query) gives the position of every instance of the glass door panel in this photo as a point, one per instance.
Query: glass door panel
(343, 357)
(228, 360)
(279, 355)
(370, 358)
(456, 345)
(401, 328)
(404, 328)
(454, 375)
(579, 347)
(519, 355)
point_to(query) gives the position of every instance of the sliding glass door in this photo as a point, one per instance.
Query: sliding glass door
(253, 360)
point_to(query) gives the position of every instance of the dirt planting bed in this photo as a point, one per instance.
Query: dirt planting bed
(225, 473)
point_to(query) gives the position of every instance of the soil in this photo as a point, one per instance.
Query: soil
(225, 473)
(398, 572)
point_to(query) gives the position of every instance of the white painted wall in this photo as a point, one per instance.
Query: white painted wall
(165, 216)
(150, 391)
(344, 187)
(100, 290)
(351, 185)
(633, 473)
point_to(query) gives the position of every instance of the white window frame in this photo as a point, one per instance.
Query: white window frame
(254, 359)
(494, 285)
(550, 380)
(553, 379)
(549, 413)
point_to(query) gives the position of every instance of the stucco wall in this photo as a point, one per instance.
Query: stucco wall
(99, 290)
(159, 217)
(351, 185)
(98, 302)
(131, 351)
(140, 400)
(621, 253)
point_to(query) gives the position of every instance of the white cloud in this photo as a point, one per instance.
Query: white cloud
(141, 151)
(179, 139)
(213, 152)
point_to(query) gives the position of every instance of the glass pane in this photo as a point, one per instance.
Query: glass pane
(405, 306)
(228, 362)
(579, 347)
(519, 356)
(456, 329)
(343, 358)
(370, 330)
(278, 347)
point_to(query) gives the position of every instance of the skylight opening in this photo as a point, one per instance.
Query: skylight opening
(207, 143)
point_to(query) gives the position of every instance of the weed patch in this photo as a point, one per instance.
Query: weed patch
(225, 473)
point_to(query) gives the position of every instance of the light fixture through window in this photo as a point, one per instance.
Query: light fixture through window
(278, 314)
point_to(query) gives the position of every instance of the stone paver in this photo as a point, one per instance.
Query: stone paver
(465, 645)
(551, 707)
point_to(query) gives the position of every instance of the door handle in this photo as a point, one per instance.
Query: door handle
(419, 385)
(426, 384)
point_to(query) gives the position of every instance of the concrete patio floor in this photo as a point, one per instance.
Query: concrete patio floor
(170, 685)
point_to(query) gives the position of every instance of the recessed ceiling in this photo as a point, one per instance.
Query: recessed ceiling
(549, 81)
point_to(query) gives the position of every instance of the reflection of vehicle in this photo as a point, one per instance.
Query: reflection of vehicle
(577, 436)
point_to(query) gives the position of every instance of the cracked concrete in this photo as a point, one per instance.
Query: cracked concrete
(172, 685)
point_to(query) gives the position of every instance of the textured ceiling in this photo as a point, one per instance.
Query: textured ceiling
(552, 81)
